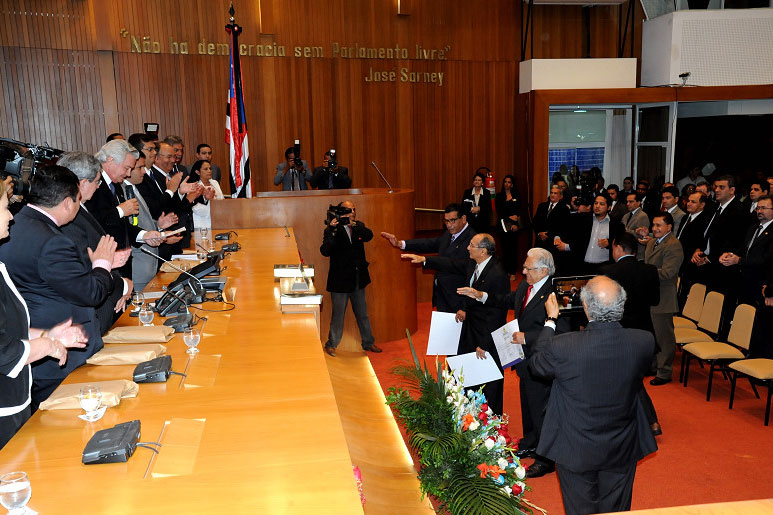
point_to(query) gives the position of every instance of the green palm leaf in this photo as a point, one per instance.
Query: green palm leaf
(479, 496)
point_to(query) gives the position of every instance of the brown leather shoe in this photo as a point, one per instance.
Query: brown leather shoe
(372, 348)
(330, 351)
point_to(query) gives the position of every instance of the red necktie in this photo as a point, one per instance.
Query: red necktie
(526, 298)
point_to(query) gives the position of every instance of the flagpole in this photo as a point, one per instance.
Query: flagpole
(236, 122)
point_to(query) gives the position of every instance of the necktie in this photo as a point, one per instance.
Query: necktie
(296, 184)
(112, 187)
(756, 234)
(657, 242)
(118, 192)
(550, 208)
(526, 298)
(474, 276)
(348, 232)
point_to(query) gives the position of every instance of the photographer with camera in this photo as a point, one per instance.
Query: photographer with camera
(343, 242)
(293, 173)
(331, 176)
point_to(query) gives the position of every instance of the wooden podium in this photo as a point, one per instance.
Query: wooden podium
(392, 292)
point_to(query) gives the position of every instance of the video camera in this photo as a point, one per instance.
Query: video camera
(338, 212)
(20, 161)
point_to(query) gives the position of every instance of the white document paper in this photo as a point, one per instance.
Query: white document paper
(444, 333)
(475, 371)
(509, 353)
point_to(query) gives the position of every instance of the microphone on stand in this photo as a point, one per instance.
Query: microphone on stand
(197, 296)
(382, 176)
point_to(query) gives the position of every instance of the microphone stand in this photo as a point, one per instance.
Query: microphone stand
(382, 176)
(197, 296)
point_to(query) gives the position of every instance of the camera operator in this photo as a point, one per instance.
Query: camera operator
(293, 173)
(348, 276)
(331, 176)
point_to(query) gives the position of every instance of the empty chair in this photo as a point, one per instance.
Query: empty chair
(708, 324)
(756, 368)
(717, 354)
(693, 307)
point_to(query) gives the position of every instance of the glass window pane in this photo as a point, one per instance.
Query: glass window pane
(653, 124)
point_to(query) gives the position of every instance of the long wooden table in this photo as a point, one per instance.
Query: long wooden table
(254, 427)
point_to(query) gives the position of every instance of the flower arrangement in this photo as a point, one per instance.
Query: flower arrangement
(467, 459)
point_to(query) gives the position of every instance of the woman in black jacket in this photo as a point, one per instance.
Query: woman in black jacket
(476, 202)
(508, 204)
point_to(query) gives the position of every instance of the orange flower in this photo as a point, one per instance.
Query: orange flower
(467, 419)
(495, 471)
(484, 469)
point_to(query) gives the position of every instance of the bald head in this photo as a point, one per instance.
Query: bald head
(603, 299)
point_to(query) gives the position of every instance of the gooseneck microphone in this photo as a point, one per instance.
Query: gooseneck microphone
(198, 296)
(382, 176)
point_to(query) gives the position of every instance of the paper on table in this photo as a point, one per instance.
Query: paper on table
(509, 353)
(475, 371)
(444, 333)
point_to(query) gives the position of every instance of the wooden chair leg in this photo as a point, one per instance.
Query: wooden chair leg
(732, 389)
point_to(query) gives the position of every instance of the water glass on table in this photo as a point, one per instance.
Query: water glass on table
(15, 492)
(90, 398)
(146, 316)
(138, 301)
(192, 337)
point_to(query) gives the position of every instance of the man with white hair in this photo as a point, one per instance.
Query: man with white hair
(109, 204)
(595, 427)
(528, 301)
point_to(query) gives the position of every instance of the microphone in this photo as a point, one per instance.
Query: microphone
(382, 176)
(198, 296)
(133, 219)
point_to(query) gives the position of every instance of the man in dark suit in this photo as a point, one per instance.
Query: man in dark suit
(642, 287)
(756, 256)
(618, 208)
(595, 428)
(690, 232)
(49, 272)
(452, 244)
(725, 233)
(483, 273)
(330, 176)
(550, 221)
(290, 175)
(757, 189)
(664, 252)
(528, 302)
(343, 242)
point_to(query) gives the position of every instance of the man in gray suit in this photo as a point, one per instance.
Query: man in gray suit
(290, 174)
(635, 219)
(665, 252)
(670, 204)
(144, 266)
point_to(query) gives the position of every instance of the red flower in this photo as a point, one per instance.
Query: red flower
(484, 407)
(517, 489)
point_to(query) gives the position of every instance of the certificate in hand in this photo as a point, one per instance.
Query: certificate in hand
(475, 371)
(444, 333)
(509, 353)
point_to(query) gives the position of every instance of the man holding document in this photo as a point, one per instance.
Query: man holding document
(483, 272)
(528, 301)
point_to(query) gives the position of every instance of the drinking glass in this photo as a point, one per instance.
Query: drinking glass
(191, 337)
(204, 233)
(15, 492)
(146, 316)
(207, 244)
(138, 300)
(90, 398)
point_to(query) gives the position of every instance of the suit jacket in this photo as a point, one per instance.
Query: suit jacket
(444, 294)
(726, 231)
(555, 224)
(143, 266)
(103, 206)
(47, 269)
(755, 264)
(667, 257)
(320, 178)
(691, 237)
(153, 190)
(86, 232)
(642, 287)
(633, 221)
(481, 221)
(348, 266)
(481, 319)
(618, 210)
(286, 179)
(594, 419)
(14, 326)
(677, 215)
(580, 233)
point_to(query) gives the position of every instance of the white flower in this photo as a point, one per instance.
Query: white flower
(474, 425)
(489, 443)
(489, 412)
(520, 473)
(501, 440)
(507, 490)
(502, 463)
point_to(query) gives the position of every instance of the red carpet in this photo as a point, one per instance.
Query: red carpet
(706, 454)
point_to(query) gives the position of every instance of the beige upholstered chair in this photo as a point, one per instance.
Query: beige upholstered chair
(693, 307)
(708, 324)
(756, 368)
(717, 354)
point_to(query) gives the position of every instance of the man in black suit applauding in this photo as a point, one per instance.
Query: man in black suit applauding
(348, 275)
(452, 244)
(484, 273)
(595, 429)
(528, 301)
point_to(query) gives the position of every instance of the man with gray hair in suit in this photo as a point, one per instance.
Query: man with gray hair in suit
(595, 428)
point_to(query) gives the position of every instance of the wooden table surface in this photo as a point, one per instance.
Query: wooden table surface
(254, 428)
